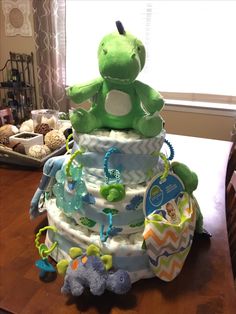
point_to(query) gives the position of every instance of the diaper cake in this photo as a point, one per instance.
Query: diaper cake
(119, 209)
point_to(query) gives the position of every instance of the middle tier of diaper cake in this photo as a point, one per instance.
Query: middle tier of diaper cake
(109, 160)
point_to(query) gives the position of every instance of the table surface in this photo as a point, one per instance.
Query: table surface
(205, 284)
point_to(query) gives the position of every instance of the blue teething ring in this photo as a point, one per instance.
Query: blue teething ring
(113, 173)
(171, 148)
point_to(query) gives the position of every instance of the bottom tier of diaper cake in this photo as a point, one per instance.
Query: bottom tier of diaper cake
(126, 250)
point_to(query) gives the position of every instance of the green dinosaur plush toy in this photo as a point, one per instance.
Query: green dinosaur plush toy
(190, 181)
(118, 100)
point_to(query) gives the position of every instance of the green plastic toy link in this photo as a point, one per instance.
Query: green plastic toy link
(113, 192)
(44, 252)
(119, 100)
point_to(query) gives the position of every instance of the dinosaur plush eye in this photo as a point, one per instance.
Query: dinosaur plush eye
(139, 48)
(121, 279)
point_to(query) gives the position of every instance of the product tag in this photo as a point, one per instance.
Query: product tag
(160, 192)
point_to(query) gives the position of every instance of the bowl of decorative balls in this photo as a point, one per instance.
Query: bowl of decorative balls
(31, 145)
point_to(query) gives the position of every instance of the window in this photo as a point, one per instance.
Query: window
(191, 46)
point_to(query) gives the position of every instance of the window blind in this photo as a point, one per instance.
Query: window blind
(190, 45)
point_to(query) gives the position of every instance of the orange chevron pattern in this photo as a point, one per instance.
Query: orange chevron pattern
(168, 234)
(175, 268)
(163, 237)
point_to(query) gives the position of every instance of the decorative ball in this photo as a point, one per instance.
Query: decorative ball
(54, 139)
(4, 140)
(27, 126)
(19, 148)
(52, 121)
(39, 151)
(42, 128)
(8, 130)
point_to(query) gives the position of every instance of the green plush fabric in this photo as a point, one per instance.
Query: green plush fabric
(188, 177)
(149, 97)
(121, 58)
(190, 181)
(80, 93)
(118, 100)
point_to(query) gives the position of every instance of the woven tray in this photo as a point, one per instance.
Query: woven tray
(10, 157)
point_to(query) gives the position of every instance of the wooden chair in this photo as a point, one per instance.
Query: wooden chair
(231, 206)
(231, 164)
(6, 116)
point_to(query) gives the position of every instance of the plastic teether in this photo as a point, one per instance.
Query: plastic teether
(43, 263)
(70, 187)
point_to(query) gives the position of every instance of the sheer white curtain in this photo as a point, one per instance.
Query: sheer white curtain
(191, 46)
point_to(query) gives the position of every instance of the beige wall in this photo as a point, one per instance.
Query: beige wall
(198, 124)
(193, 124)
(17, 44)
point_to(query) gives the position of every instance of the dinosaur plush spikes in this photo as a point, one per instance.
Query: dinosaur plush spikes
(75, 252)
(107, 261)
(93, 250)
(62, 266)
(120, 28)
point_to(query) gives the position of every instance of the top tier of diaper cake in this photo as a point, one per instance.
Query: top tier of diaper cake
(135, 157)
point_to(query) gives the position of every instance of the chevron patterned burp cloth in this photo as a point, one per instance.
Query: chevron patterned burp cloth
(168, 237)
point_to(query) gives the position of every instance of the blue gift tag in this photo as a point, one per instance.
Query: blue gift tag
(160, 192)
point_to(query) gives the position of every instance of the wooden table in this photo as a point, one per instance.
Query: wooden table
(205, 285)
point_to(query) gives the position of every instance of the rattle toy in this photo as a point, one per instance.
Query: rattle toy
(43, 263)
